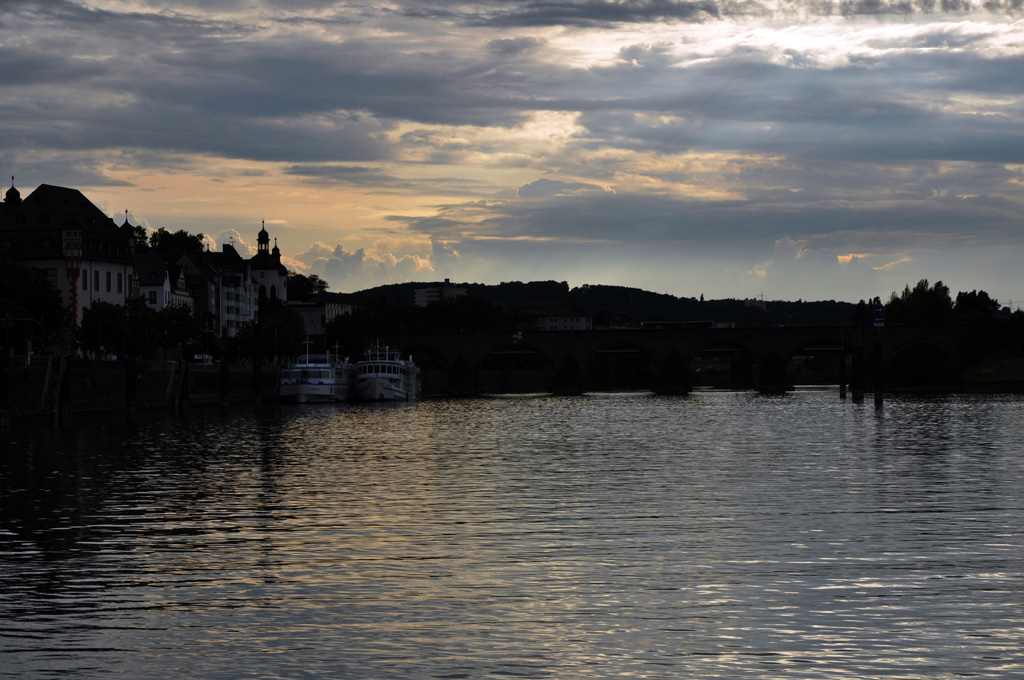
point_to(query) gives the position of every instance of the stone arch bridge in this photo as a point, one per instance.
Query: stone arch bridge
(768, 359)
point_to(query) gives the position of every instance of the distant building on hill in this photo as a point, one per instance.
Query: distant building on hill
(321, 309)
(446, 291)
(553, 315)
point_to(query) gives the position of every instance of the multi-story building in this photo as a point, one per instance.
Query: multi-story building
(154, 280)
(83, 252)
(446, 291)
(238, 294)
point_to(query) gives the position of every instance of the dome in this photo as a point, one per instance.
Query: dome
(12, 195)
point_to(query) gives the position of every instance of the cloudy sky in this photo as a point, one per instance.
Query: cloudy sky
(811, 149)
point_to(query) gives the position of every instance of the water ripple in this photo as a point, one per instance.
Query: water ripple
(717, 535)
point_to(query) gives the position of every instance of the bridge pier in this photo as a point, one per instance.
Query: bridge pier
(568, 379)
(773, 374)
(673, 377)
(462, 380)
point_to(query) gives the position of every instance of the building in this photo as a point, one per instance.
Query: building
(89, 258)
(235, 290)
(321, 309)
(553, 315)
(271, 276)
(565, 320)
(446, 291)
(154, 280)
(83, 252)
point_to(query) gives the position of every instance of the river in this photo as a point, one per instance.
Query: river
(718, 535)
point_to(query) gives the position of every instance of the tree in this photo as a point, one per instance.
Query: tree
(103, 328)
(921, 306)
(177, 327)
(975, 307)
(163, 241)
(277, 332)
(33, 304)
(141, 335)
(141, 235)
(302, 287)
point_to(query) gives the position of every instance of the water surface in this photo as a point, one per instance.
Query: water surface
(720, 535)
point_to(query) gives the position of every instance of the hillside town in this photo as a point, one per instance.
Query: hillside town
(89, 258)
(92, 261)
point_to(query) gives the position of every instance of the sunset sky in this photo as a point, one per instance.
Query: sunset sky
(793, 149)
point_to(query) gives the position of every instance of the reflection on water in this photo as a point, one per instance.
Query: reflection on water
(606, 536)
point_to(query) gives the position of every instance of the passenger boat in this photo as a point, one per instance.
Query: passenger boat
(317, 378)
(383, 375)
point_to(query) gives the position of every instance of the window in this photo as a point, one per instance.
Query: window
(152, 297)
(108, 282)
(120, 282)
(96, 281)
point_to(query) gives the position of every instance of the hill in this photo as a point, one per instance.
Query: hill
(621, 306)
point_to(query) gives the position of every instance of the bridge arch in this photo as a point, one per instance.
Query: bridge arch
(922, 365)
(618, 366)
(815, 361)
(721, 363)
(514, 367)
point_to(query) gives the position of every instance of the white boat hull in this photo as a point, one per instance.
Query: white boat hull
(381, 389)
(317, 379)
(383, 375)
(307, 394)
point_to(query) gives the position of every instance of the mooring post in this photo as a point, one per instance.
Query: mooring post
(225, 382)
(879, 373)
(257, 381)
(857, 380)
(842, 374)
(131, 385)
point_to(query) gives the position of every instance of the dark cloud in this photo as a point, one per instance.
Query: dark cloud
(600, 13)
(902, 126)
(505, 48)
(749, 225)
(175, 83)
(343, 174)
(548, 187)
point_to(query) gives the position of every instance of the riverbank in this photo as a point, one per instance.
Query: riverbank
(61, 388)
(52, 387)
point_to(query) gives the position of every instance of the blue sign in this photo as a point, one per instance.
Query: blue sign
(878, 315)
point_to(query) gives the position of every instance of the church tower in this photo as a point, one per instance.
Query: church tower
(271, 276)
(263, 240)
